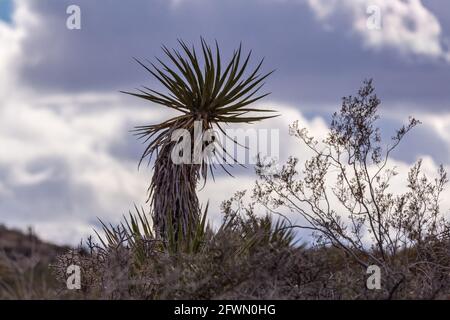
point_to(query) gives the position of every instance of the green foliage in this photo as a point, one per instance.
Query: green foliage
(213, 94)
(192, 241)
(254, 230)
(135, 232)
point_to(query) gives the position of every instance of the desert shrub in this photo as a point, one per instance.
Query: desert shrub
(245, 257)
(343, 196)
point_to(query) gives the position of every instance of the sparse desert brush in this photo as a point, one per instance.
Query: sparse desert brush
(242, 260)
(224, 261)
(24, 261)
(26, 277)
(252, 255)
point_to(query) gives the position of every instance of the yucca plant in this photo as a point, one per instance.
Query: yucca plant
(201, 89)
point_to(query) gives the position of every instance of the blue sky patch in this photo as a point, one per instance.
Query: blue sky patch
(6, 7)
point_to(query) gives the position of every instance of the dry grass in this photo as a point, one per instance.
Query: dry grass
(24, 266)
(251, 258)
(228, 266)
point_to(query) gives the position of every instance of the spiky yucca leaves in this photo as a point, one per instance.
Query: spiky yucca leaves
(135, 233)
(201, 90)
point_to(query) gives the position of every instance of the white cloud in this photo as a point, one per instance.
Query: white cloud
(407, 26)
(440, 123)
(41, 146)
(54, 144)
(11, 39)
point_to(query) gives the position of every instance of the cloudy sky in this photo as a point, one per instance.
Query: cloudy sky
(66, 156)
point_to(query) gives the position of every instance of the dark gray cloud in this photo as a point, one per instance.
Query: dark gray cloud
(314, 67)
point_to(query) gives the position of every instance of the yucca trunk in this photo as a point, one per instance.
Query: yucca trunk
(173, 195)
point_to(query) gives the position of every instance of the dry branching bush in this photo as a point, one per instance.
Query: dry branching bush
(343, 195)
